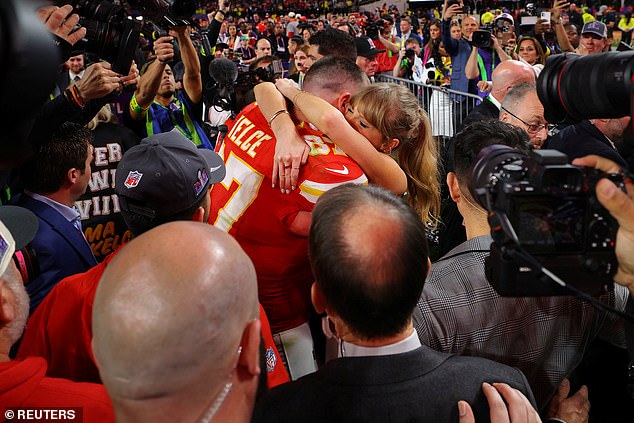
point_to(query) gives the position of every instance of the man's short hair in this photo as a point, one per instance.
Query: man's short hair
(297, 40)
(479, 134)
(333, 73)
(374, 290)
(334, 42)
(67, 149)
(412, 40)
(515, 96)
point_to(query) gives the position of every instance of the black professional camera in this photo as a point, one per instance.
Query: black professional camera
(372, 28)
(608, 77)
(482, 37)
(546, 208)
(408, 59)
(109, 33)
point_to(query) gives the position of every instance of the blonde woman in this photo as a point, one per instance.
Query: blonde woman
(380, 119)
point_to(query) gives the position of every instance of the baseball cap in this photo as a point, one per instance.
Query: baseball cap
(595, 27)
(18, 227)
(365, 47)
(505, 16)
(245, 37)
(291, 14)
(166, 174)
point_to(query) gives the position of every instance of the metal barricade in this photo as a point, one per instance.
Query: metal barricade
(446, 108)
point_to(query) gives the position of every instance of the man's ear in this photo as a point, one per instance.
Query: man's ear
(199, 215)
(72, 175)
(250, 348)
(504, 117)
(319, 302)
(343, 101)
(454, 187)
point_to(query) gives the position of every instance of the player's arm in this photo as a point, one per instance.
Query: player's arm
(380, 168)
(300, 225)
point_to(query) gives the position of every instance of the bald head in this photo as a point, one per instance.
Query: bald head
(508, 74)
(169, 315)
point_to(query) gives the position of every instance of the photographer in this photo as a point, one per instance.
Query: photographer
(483, 60)
(155, 108)
(409, 64)
(545, 337)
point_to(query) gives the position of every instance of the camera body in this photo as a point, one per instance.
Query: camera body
(482, 37)
(553, 211)
(109, 33)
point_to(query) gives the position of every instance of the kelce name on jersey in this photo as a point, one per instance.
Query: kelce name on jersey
(244, 136)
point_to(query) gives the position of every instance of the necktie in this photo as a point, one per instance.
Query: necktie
(76, 78)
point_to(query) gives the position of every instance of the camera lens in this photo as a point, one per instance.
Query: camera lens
(608, 77)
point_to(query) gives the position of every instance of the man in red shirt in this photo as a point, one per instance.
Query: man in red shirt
(61, 329)
(272, 227)
(22, 382)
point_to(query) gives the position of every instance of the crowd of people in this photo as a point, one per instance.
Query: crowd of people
(248, 226)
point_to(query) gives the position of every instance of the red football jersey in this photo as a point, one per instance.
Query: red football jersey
(258, 216)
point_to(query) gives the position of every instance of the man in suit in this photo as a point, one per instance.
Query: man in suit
(506, 75)
(56, 177)
(73, 71)
(369, 255)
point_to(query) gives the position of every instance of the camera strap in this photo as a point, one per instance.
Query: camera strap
(484, 76)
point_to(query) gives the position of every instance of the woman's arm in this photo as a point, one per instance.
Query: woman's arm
(290, 149)
(380, 168)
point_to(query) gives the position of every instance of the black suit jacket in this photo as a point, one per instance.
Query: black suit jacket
(581, 139)
(422, 385)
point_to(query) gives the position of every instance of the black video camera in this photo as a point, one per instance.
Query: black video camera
(482, 37)
(550, 209)
(372, 28)
(109, 33)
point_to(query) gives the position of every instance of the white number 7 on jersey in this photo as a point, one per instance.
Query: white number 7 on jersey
(249, 181)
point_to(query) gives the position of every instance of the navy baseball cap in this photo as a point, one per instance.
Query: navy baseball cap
(166, 174)
(595, 27)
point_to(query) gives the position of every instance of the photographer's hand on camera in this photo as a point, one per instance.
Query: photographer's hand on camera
(192, 79)
(62, 22)
(164, 49)
(99, 80)
(499, 48)
(621, 207)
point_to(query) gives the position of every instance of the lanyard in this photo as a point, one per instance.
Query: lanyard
(483, 71)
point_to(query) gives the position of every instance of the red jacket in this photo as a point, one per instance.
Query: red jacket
(60, 330)
(23, 385)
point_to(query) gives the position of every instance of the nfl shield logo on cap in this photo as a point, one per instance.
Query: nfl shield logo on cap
(133, 179)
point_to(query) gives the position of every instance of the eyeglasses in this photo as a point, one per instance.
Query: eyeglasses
(533, 129)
